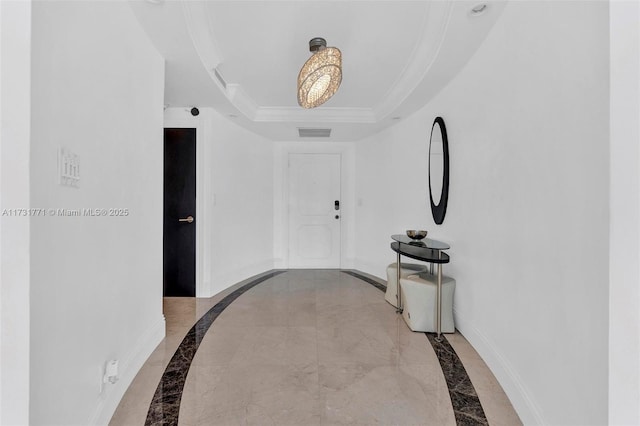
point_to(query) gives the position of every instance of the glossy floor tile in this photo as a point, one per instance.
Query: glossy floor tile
(307, 347)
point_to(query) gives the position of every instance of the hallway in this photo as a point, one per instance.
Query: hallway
(304, 347)
(542, 108)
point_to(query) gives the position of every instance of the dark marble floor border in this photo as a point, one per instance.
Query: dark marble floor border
(165, 405)
(464, 398)
(374, 283)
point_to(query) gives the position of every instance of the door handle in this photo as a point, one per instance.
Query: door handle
(337, 204)
(188, 219)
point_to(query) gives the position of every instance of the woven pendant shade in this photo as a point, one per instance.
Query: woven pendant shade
(320, 76)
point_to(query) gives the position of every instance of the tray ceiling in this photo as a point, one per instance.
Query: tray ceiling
(242, 57)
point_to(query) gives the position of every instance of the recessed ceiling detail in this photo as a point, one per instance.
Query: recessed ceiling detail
(396, 56)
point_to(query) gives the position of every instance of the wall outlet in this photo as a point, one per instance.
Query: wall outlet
(108, 373)
(111, 374)
(100, 379)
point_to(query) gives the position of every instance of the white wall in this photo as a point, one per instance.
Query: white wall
(624, 294)
(96, 282)
(234, 199)
(15, 88)
(242, 184)
(528, 209)
(281, 197)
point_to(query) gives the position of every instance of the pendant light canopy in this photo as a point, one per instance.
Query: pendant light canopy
(321, 75)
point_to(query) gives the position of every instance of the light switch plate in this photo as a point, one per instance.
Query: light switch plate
(68, 168)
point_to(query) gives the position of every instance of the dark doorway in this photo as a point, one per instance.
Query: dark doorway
(179, 239)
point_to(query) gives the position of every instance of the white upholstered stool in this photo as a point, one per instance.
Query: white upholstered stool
(419, 299)
(392, 279)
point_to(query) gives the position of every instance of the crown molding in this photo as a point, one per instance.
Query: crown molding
(434, 28)
(239, 98)
(323, 115)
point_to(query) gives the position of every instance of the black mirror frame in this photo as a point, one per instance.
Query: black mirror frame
(439, 211)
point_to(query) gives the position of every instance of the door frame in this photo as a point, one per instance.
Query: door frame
(182, 118)
(281, 197)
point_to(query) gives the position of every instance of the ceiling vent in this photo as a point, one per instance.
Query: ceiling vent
(314, 133)
(219, 77)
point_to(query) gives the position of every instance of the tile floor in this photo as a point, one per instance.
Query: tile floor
(309, 347)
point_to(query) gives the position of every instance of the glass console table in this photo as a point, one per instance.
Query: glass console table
(426, 250)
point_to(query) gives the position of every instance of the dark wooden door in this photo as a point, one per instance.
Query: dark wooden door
(179, 240)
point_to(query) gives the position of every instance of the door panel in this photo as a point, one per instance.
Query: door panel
(179, 238)
(315, 241)
(314, 229)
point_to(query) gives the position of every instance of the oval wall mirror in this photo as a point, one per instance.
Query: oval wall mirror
(438, 170)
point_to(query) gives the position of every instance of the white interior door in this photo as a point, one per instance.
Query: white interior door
(314, 221)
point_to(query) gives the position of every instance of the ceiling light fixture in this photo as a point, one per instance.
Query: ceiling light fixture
(321, 75)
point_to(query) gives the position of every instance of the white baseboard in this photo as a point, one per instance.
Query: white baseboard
(347, 263)
(509, 379)
(224, 281)
(372, 269)
(129, 366)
